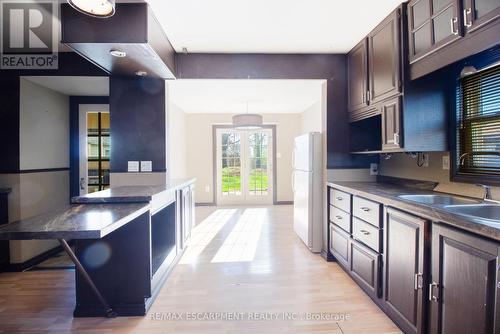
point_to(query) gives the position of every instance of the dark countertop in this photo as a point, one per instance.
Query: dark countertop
(133, 194)
(388, 195)
(92, 221)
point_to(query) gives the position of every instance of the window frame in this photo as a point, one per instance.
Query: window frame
(456, 175)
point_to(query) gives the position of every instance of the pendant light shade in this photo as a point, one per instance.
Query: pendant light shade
(247, 121)
(96, 8)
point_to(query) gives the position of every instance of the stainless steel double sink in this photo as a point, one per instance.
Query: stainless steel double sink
(459, 205)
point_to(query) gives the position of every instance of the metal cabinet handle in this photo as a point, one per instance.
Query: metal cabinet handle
(82, 183)
(454, 21)
(339, 198)
(338, 217)
(396, 138)
(432, 298)
(368, 96)
(365, 232)
(417, 283)
(467, 12)
(365, 209)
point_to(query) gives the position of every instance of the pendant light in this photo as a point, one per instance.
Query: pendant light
(95, 8)
(247, 121)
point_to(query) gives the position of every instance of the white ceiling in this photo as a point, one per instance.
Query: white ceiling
(231, 96)
(73, 85)
(269, 26)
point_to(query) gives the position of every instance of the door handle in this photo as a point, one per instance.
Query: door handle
(432, 298)
(467, 12)
(82, 183)
(417, 281)
(453, 22)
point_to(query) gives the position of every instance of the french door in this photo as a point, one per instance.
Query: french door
(244, 166)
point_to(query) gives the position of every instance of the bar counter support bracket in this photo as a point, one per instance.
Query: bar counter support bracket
(109, 311)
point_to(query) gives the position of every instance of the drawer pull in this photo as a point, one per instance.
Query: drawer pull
(339, 198)
(432, 298)
(365, 209)
(338, 217)
(365, 232)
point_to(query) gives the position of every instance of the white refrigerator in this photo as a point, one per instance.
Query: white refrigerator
(307, 188)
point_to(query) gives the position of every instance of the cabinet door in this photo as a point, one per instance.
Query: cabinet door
(433, 24)
(463, 293)
(4, 244)
(391, 124)
(477, 13)
(404, 271)
(357, 67)
(339, 245)
(384, 58)
(364, 265)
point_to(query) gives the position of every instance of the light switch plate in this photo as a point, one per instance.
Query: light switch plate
(207, 189)
(146, 166)
(278, 155)
(446, 162)
(373, 169)
(133, 166)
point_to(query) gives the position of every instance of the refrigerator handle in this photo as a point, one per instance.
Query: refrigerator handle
(293, 181)
(293, 157)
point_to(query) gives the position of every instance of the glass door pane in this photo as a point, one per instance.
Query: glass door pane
(484, 7)
(258, 180)
(231, 164)
(98, 151)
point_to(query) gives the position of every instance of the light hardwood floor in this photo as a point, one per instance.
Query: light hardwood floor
(244, 260)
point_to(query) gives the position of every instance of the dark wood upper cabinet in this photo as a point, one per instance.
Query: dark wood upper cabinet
(384, 45)
(463, 293)
(432, 25)
(357, 76)
(441, 32)
(404, 274)
(477, 13)
(392, 137)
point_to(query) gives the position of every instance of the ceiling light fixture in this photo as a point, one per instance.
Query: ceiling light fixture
(95, 8)
(247, 121)
(118, 53)
(141, 73)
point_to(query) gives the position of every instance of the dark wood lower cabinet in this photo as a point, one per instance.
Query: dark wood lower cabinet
(464, 293)
(404, 271)
(364, 265)
(4, 219)
(339, 245)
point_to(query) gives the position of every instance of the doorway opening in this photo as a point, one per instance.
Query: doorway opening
(244, 166)
(95, 147)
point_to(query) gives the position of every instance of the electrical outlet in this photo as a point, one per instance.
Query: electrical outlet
(373, 169)
(207, 189)
(446, 162)
(425, 158)
(133, 166)
(146, 166)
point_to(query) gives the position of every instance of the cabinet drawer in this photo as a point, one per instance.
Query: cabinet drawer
(365, 268)
(367, 210)
(339, 245)
(340, 218)
(340, 199)
(367, 234)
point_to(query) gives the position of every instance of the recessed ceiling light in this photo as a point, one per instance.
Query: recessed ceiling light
(95, 8)
(118, 53)
(141, 73)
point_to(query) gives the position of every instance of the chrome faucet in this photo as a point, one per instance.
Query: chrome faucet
(470, 154)
(487, 192)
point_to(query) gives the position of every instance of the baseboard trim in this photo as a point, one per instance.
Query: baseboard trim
(23, 266)
(283, 203)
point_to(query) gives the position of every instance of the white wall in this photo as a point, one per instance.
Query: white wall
(200, 151)
(44, 144)
(177, 142)
(311, 119)
(44, 127)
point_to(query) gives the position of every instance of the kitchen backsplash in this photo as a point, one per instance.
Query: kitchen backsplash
(404, 166)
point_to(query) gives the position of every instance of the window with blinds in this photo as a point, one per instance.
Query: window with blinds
(478, 135)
